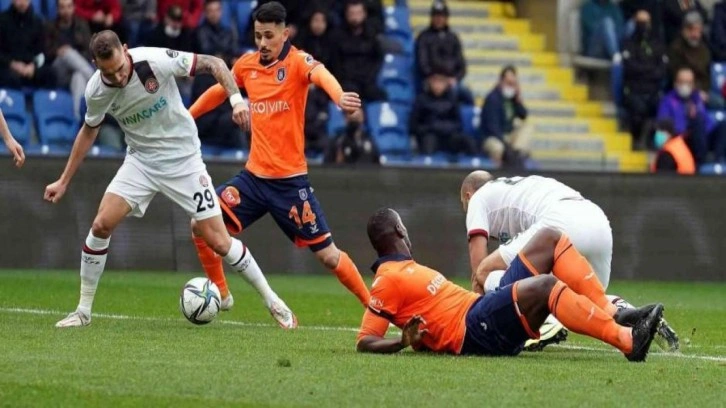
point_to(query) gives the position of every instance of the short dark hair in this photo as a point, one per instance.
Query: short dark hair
(272, 12)
(507, 69)
(381, 228)
(103, 44)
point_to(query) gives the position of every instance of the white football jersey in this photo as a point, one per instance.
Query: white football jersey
(159, 131)
(504, 207)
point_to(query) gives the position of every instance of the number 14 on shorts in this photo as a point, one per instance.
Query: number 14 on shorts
(308, 216)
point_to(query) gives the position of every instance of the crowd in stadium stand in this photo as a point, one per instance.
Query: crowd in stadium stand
(670, 54)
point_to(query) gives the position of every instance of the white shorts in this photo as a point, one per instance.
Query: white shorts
(584, 223)
(138, 183)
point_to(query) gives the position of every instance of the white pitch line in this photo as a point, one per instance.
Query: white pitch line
(329, 328)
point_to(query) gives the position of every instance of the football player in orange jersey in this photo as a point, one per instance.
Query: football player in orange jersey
(438, 315)
(275, 180)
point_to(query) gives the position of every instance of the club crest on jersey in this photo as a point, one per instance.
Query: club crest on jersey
(281, 73)
(172, 53)
(203, 181)
(151, 85)
(309, 59)
(303, 193)
(231, 197)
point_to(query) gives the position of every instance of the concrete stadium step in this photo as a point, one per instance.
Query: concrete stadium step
(564, 109)
(499, 58)
(546, 125)
(460, 8)
(560, 163)
(468, 24)
(526, 75)
(523, 42)
(597, 143)
(544, 92)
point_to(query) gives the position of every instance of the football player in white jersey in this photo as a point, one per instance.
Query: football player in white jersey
(138, 88)
(512, 210)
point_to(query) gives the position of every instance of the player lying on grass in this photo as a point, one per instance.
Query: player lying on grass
(277, 78)
(138, 88)
(437, 315)
(15, 149)
(513, 210)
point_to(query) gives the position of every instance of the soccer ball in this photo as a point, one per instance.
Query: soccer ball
(199, 301)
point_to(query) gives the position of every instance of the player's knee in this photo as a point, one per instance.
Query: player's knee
(538, 288)
(329, 256)
(100, 228)
(219, 243)
(195, 229)
(547, 238)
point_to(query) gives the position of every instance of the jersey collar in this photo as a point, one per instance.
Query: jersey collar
(389, 258)
(283, 54)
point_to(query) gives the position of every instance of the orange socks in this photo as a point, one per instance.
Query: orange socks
(212, 264)
(582, 316)
(573, 269)
(348, 275)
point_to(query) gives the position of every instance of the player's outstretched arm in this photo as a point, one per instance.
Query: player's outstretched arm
(411, 335)
(207, 64)
(13, 146)
(84, 140)
(477, 252)
(348, 101)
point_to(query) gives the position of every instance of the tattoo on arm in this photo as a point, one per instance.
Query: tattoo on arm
(207, 64)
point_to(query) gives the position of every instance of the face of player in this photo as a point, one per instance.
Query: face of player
(116, 70)
(213, 12)
(270, 38)
(21, 5)
(65, 9)
(318, 23)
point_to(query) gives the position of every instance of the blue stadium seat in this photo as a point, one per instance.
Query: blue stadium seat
(388, 125)
(233, 154)
(718, 74)
(336, 120)
(475, 162)
(4, 4)
(396, 66)
(398, 90)
(397, 18)
(51, 9)
(55, 121)
(395, 160)
(717, 115)
(47, 150)
(404, 38)
(434, 160)
(243, 15)
(12, 104)
(470, 120)
(713, 169)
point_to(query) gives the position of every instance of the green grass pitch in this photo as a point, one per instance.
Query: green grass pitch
(140, 351)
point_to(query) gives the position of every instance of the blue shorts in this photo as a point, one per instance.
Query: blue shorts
(494, 325)
(291, 203)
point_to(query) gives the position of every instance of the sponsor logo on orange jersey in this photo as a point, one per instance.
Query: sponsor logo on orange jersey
(269, 107)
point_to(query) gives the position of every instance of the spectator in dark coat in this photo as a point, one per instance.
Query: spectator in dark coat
(315, 38)
(172, 33)
(213, 38)
(216, 128)
(316, 121)
(357, 58)
(718, 32)
(353, 144)
(139, 19)
(436, 119)
(654, 8)
(191, 11)
(438, 49)
(503, 119)
(101, 15)
(645, 68)
(690, 50)
(674, 11)
(22, 37)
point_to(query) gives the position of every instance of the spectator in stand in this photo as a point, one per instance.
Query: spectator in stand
(101, 15)
(690, 50)
(435, 120)
(358, 57)
(172, 33)
(503, 121)
(630, 9)
(718, 32)
(216, 128)
(22, 35)
(645, 67)
(139, 17)
(353, 144)
(673, 153)
(316, 121)
(684, 106)
(602, 28)
(213, 38)
(674, 11)
(191, 11)
(67, 39)
(315, 38)
(438, 49)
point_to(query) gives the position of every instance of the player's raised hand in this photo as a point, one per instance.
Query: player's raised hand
(411, 334)
(55, 191)
(241, 116)
(17, 151)
(350, 102)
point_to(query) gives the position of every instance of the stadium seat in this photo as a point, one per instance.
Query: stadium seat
(713, 169)
(55, 121)
(404, 38)
(398, 90)
(336, 120)
(388, 125)
(4, 4)
(396, 66)
(233, 154)
(475, 162)
(718, 74)
(397, 18)
(717, 115)
(434, 160)
(470, 120)
(243, 15)
(12, 104)
(51, 9)
(47, 150)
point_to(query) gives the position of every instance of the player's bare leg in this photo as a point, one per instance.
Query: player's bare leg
(239, 257)
(342, 266)
(111, 212)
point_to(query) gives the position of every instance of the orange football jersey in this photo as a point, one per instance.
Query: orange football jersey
(402, 289)
(277, 94)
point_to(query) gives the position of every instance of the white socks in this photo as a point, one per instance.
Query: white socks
(93, 260)
(240, 258)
